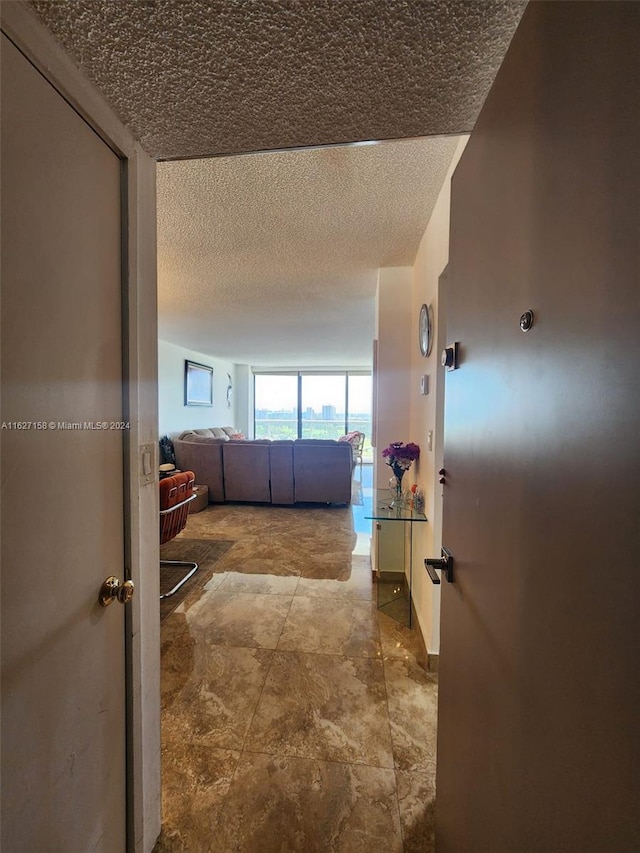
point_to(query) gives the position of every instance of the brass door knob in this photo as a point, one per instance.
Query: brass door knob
(112, 590)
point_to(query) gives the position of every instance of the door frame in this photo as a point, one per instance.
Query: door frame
(140, 408)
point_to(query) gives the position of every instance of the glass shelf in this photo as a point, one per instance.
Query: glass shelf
(394, 553)
(386, 508)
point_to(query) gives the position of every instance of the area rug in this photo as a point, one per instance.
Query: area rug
(205, 552)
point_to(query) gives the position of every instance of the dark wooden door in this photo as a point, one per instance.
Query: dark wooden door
(538, 746)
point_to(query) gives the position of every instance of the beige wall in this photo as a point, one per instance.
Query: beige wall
(403, 414)
(426, 413)
(394, 357)
(174, 415)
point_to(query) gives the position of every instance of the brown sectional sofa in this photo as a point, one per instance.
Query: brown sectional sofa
(263, 471)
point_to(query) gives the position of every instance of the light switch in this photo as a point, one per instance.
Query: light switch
(430, 440)
(424, 384)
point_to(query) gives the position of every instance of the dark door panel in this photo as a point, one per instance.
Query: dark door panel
(539, 700)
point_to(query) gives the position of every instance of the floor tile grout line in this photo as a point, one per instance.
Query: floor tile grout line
(320, 758)
(273, 655)
(376, 657)
(391, 741)
(241, 751)
(284, 621)
(224, 798)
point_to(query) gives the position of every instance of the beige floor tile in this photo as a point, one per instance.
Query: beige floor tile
(322, 721)
(400, 642)
(358, 585)
(278, 804)
(259, 565)
(417, 801)
(413, 710)
(327, 567)
(215, 704)
(323, 706)
(263, 584)
(262, 556)
(239, 618)
(214, 582)
(177, 652)
(195, 781)
(329, 626)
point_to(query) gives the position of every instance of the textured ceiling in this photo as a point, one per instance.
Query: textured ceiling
(200, 77)
(271, 259)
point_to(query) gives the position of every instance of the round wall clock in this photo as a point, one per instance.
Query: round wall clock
(425, 330)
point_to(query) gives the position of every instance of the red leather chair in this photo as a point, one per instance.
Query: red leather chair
(176, 493)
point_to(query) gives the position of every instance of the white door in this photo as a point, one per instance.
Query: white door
(539, 700)
(63, 699)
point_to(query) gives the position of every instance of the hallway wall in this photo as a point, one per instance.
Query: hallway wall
(426, 412)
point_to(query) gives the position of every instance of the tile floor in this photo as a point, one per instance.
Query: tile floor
(296, 716)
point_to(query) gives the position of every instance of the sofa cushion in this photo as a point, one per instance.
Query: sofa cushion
(281, 459)
(246, 471)
(189, 432)
(218, 432)
(224, 433)
(195, 438)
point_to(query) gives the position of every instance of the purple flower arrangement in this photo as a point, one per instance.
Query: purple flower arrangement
(399, 456)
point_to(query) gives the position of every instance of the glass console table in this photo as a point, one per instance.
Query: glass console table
(392, 553)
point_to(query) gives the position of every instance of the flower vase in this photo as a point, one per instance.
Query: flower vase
(398, 475)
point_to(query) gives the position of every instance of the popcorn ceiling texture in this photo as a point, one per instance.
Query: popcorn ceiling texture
(194, 78)
(272, 259)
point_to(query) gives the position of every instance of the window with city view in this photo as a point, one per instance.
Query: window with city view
(313, 405)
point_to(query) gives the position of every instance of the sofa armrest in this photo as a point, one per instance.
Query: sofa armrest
(203, 456)
(322, 471)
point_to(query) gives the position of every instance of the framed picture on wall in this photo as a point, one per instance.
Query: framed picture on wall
(198, 384)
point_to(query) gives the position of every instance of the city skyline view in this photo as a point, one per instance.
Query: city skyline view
(280, 391)
(289, 406)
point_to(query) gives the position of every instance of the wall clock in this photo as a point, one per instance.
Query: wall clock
(425, 330)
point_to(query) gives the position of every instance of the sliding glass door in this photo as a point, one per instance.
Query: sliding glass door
(322, 405)
(305, 404)
(359, 403)
(276, 405)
